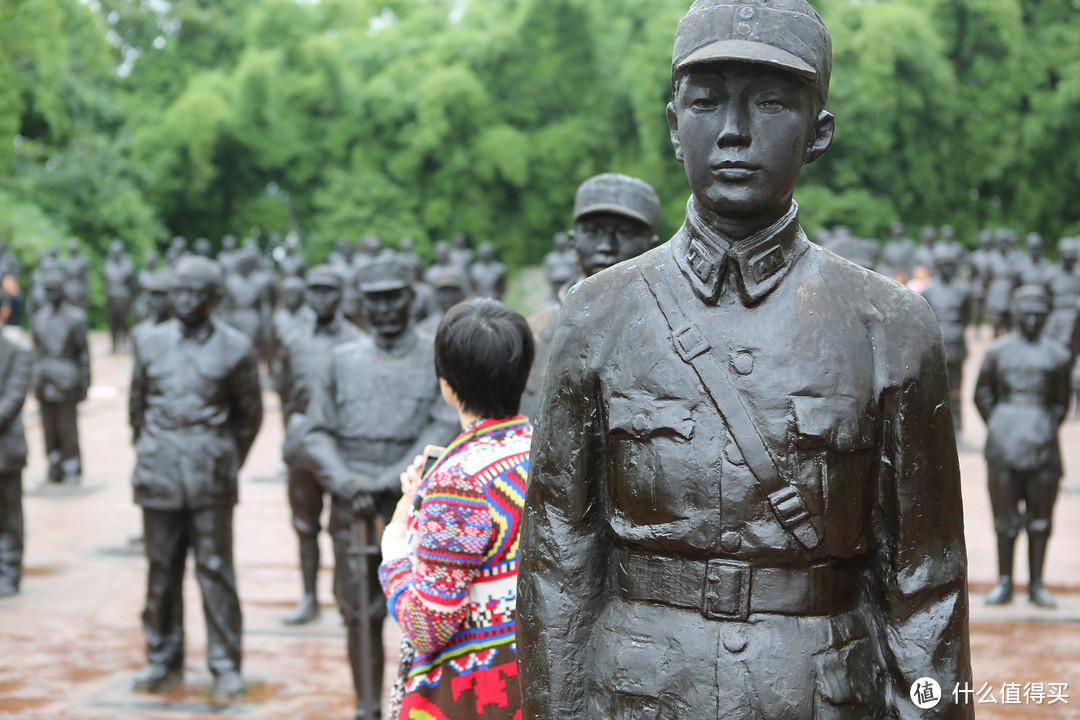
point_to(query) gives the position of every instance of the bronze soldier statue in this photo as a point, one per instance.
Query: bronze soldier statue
(615, 219)
(451, 286)
(120, 287)
(460, 254)
(979, 265)
(195, 408)
(1023, 395)
(61, 376)
(1035, 269)
(304, 353)
(487, 274)
(741, 434)
(158, 309)
(950, 299)
(248, 303)
(1002, 269)
(15, 361)
(293, 314)
(375, 406)
(77, 272)
(1063, 285)
(897, 254)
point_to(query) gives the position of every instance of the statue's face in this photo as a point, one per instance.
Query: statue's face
(603, 239)
(159, 304)
(1030, 322)
(324, 300)
(387, 312)
(947, 270)
(292, 298)
(54, 293)
(448, 296)
(192, 300)
(743, 133)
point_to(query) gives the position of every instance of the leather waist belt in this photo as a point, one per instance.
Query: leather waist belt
(733, 589)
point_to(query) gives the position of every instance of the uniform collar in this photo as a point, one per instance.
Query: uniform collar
(200, 333)
(333, 327)
(757, 264)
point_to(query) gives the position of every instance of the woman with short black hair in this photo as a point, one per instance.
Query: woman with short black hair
(450, 551)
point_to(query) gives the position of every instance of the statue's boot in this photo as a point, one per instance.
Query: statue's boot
(1003, 591)
(307, 610)
(1037, 592)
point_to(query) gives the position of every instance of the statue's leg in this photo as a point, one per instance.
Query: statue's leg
(306, 503)
(1005, 503)
(213, 539)
(1041, 493)
(11, 532)
(50, 428)
(167, 541)
(67, 425)
(346, 584)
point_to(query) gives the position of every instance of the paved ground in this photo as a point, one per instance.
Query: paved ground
(71, 642)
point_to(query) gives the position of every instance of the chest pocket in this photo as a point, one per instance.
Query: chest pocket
(835, 443)
(840, 423)
(650, 466)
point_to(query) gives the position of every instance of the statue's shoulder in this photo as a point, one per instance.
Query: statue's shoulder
(234, 342)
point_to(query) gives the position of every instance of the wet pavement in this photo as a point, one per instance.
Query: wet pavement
(70, 643)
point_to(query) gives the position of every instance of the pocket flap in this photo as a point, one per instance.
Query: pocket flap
(643, 417)
(840, 422)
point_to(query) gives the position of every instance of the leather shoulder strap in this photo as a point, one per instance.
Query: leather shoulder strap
(693, 348)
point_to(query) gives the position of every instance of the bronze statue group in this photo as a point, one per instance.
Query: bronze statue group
(744, 494)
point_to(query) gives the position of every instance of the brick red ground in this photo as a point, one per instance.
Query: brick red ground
(71, 642)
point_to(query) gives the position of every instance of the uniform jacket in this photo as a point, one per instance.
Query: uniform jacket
(372, 411)
(195, 408)
(1022, 394)
(845, 373)
(15, 363)
(951, 303)
(62, 361)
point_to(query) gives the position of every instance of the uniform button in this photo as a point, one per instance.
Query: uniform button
(743, 28)
(746, 12)
(712, 597)
(714, 577)
(639, 423)
(733, 637)
(730, 541)
(733, 454)
(743, 362)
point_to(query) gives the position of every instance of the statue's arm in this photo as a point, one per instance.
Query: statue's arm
(247, 408)
(137, 394)
(920, 556)
(320, 443)
(1060, 391)
(985, 393)
(82, 353)
(13, 393)
(441, 427)
(564, 553)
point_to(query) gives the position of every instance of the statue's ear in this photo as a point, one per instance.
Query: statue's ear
(673, 128)
(821, 137)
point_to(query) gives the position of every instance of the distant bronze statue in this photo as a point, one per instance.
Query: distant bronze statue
(615, 219)
(195, 408)
(560, 265)
(740, 438)
(487, 274)
(950, 299)
(293, 314)
(15, 361)
(61, 375)
(451, 286)
(343, 260)
(375, 407)
(1002, 269)
(440, 261)
(407, 254)
(155, 286)
(1035, 269)
(77, 276)
(1023, 395)
(897, 254)
(248, 302)
(292, 265)
(979, 264)
(121, 285)
(304, 353)
(461, 256)
(177, 249)
(1063, 285)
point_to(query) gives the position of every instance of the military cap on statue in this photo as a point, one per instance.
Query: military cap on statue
(1031, 298)
(385, 274)
(620, 194)
(324, 276)
(766, 32)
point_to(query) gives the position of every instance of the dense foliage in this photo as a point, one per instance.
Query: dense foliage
(141, 119)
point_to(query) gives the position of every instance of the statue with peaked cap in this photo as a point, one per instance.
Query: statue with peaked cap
(740, 435)
(950, 299)
(374, 406)
(1023, 395)
(615, 219)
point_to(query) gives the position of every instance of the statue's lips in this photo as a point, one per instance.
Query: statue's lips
(734, 171)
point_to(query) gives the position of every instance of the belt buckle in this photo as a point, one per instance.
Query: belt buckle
(725, 592)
